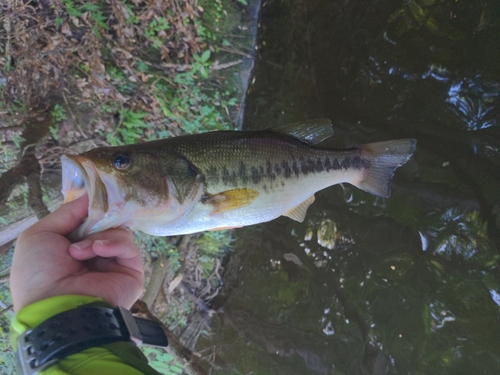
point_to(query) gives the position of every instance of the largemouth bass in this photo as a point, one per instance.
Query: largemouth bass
(221, 179)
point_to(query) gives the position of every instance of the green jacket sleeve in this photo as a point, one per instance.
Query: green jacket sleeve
(122, 358)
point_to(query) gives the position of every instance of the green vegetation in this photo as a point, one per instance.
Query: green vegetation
(161, 361)
(113, 74)
(58, 116)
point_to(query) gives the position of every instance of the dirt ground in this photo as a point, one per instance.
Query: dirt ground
(75, 75)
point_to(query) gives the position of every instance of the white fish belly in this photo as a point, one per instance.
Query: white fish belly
(272, 202)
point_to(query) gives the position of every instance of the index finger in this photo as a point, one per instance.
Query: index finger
(65, 219)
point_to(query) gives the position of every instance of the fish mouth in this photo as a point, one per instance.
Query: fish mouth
(79, 176)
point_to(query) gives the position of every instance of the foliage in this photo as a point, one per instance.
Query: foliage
(162, 361)
(130, 129)
(215, 242)
(58, 116)
(7, 359)
(127, 71)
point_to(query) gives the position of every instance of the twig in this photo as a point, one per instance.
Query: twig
(6, 307)
(77, 123)
(175, 347)
(4, 278)
(35, 191)
(236, 52)
(218, 66)
(5, 310)
(160, 269)
(5, 270)
(7, 27)
(199, 301)
(184, 67)
(13, 127)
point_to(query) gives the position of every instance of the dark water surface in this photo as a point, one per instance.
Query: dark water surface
(405, 285)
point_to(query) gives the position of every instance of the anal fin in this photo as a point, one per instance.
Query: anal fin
(231, 199)
(299, 212)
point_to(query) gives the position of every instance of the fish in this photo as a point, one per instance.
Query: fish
(222, 179)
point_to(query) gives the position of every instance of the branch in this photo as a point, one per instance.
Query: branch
(160, 269)
(7, 309)
(182, 354)
(4, 279)
(12, 231)
(35, 190)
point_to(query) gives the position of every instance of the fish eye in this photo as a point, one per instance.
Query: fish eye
(121, 161)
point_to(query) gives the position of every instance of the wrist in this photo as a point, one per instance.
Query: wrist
(32, 315)
(83, 326)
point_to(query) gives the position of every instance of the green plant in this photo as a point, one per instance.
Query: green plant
(95, 14)
(17, 139)
(130, 129)
(193, 108)
(201, 64)
(155, 31)
(7, 359)
(215, 242)
(58, 116)
(162, 361)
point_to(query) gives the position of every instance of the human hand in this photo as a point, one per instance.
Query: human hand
(46, 264)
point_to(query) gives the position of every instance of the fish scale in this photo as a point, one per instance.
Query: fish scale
(224, 179)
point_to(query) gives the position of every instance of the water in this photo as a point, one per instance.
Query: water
(405, 285)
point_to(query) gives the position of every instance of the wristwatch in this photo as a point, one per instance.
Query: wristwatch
(84, 327)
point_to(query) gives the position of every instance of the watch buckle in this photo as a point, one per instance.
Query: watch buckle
(26, 359)
(131, 325)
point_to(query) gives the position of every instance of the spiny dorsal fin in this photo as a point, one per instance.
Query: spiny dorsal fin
(231, 199)
(299, 212)
(311, 131)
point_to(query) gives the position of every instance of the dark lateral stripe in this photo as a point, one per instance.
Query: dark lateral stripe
(213, 175)
(228, 178)
(327, 164)
(269, 171)
(349, 162)
(287, 169)
(256, 176)
(243, 172)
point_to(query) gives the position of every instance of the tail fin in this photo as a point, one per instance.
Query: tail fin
(385, 157)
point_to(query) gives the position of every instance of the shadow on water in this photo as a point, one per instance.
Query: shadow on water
(405, 285)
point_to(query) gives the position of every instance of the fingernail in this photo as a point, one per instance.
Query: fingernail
(81, 245)
(102, 242)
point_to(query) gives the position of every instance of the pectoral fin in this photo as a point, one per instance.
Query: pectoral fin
(299, 212)
(231, 199)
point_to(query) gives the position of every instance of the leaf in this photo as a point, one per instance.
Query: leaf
(175, 282)
(205, 56)
(91, 7)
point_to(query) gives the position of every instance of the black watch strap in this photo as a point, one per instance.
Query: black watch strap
(75, 330)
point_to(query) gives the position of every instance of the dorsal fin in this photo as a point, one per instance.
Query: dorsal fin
(310, 131)
(299, 212)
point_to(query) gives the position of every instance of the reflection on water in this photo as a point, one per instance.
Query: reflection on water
(472, 101)
(365, 285)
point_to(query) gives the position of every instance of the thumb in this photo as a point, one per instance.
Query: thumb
(65, 219)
